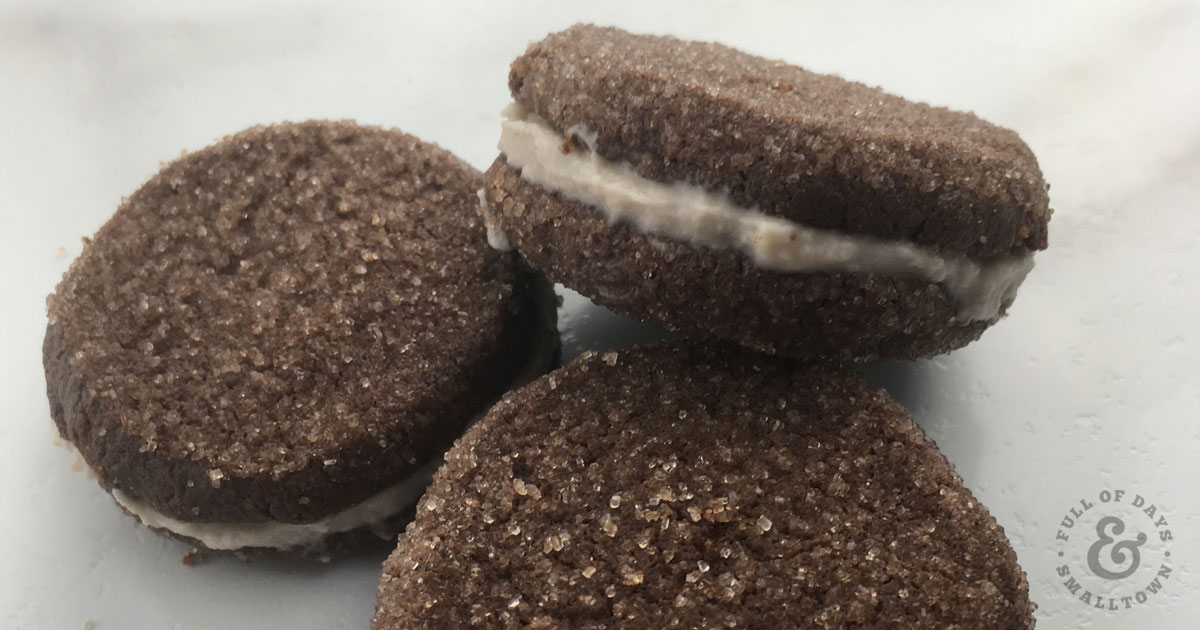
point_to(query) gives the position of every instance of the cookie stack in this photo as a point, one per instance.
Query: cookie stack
(694, 484)
(272, 343)
(726, 195)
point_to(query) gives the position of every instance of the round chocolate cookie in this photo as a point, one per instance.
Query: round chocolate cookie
(685, 486)
(724, 194)
(273, 341)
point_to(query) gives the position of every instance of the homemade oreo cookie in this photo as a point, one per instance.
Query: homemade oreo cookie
(273, 341)
(724, 194)
(685, 486)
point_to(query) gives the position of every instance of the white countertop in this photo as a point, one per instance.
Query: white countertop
(1088, 385)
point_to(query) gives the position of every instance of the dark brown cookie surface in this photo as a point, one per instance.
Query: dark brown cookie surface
(812, 148)
(684, 486)
(849, 165)
(279, 326)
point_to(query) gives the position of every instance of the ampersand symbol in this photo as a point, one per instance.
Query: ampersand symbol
(1122, 552)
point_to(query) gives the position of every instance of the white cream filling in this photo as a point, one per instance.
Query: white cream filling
(276, 535)
(691, 214)
(273, 534)
(495, 236)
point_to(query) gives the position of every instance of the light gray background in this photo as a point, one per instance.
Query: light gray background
(1090, 383)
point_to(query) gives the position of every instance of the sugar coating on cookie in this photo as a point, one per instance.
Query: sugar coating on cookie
(690, 214)
(655, 158)
(813, 148)
(282, 332)
(687, 486)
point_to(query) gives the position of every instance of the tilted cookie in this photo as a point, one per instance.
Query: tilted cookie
(712, 191)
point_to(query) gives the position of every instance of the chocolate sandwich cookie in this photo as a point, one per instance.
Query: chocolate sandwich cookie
(684, 486)
(273, 341)
(696, 186)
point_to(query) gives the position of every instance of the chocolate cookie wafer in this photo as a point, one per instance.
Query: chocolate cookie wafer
(696, 186)
(272, 342)
(685, 486)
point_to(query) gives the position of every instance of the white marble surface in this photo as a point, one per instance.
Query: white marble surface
(1089, 384)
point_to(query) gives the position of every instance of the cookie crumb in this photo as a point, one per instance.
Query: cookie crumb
(193, 557)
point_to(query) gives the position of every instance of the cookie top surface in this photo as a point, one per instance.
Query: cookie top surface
(310, 295)
(813, 148)
(688, 486)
